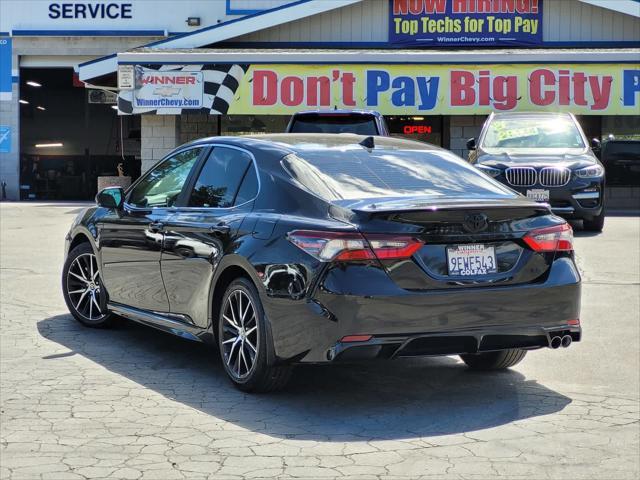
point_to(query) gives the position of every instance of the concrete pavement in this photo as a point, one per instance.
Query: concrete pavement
(133, 403)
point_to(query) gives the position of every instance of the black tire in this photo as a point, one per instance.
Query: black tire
(93, 314)
(596, 224)
(494, 360)
(260, 376)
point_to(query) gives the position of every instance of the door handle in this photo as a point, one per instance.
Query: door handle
(156, 227)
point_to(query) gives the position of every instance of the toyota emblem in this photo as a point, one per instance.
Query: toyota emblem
(475, 222)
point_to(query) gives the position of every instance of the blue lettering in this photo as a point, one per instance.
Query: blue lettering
(67, 10)
(405, 93)
(108, 10)
(126, 10)
(631, 86)
(377, 81)
(428, 92)
(54, 10)
(94, 9)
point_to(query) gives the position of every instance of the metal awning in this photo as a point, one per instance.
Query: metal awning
(202, 56)
(628, 7)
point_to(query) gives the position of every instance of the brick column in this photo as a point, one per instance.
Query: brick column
(160, 134)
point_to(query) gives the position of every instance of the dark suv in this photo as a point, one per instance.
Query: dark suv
(360, 122)
(547, 158)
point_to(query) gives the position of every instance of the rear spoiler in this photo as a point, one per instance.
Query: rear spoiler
(366, 209)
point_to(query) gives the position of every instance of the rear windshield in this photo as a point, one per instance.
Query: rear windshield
(533, 132)
(327, 123)
(358, 174)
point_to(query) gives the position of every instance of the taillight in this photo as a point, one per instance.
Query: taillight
(558, 238)
(330, 246)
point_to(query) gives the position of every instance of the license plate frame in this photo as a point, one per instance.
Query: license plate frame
(539, 194)
(477, 260)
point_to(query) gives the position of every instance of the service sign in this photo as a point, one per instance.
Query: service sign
(167, 89)
(459, 23)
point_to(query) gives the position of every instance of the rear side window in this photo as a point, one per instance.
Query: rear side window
(357, 174)
(219, 180)
(327, 123)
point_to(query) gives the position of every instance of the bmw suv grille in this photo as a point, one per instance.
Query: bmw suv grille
(521, 176)
(554, 177)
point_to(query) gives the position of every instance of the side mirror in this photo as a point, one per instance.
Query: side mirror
(471, 144)
(110, 197)
(595, 143)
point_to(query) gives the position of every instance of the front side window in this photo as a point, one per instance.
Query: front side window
(533, 132)
(219, 181)
(162, 186)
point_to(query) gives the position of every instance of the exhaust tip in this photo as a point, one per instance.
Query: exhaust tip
(566, 341)
(556, 342)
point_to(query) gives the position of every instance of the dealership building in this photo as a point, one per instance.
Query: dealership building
(106, 88)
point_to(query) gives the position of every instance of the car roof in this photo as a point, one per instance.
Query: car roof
(339, 112)
(281, 144)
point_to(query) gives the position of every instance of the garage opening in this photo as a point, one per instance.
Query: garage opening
(70, 136)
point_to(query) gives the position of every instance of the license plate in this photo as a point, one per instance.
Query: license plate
(476, 259)
(538, 195)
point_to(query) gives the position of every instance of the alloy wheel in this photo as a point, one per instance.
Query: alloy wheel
(84, 287)
(239, 334)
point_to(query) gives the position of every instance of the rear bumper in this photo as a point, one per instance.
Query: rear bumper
(432, 322)
(486, 339)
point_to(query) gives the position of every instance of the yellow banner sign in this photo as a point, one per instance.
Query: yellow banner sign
(589, 89)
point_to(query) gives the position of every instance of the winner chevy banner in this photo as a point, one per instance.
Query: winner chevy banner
(465, 22)
(595, 89)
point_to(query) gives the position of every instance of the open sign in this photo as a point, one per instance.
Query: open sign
(416, 129)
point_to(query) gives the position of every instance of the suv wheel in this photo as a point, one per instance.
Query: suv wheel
(242, 339)
(596, 224)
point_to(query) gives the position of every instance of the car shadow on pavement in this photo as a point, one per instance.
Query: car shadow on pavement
(382, 400)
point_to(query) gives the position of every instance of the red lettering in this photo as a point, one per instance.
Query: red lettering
(462, 92)
(419, 129)
(505, 92)
(348, 91)
(265, 87)
(417, 7)
(601, 93)
(537, 80)
(484, 83)
(321, 86)
(564, 90)
(292, 91)
(579, 82)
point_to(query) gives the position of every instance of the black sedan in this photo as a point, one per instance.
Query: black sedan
(546, 157)
(287, 249)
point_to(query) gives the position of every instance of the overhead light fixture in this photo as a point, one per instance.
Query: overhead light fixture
(418, 118)
(48, 145)
(31, 83)
(40, 108)
(23, 102)
(193, 21)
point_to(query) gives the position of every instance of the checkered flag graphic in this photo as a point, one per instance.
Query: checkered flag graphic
(221, 81)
